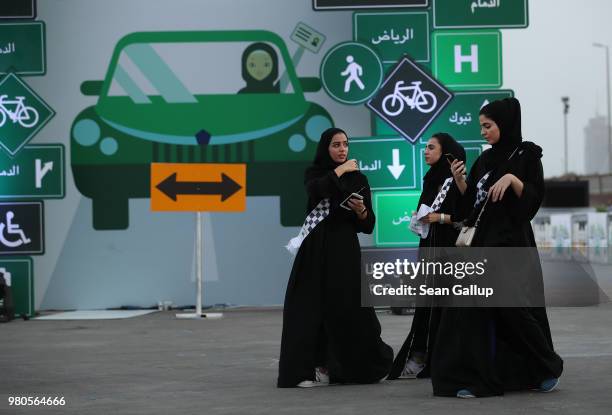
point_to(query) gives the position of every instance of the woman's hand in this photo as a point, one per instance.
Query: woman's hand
(356, 205)
(497, 191)
(432, 217)
(346, 167)
(458, 171)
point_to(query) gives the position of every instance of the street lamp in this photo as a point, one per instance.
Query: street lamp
(565, 101)
(607, 48)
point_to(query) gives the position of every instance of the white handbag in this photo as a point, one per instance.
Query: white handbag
(466, 234)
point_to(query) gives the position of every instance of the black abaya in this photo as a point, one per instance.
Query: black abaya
(422, 335)
(323, 321)
(492, 350)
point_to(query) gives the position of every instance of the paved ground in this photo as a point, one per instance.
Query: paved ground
(159, 365)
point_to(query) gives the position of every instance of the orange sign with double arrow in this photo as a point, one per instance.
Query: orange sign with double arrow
(198, 187)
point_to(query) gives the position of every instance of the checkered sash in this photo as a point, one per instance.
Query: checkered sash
(316, 216)
(441, 194)
(481, 194)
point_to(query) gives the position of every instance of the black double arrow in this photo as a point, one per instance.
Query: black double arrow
(225, 188)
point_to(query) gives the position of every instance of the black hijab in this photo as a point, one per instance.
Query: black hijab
(440, 171)
(323, 164)
(507, 115)
(267, 84)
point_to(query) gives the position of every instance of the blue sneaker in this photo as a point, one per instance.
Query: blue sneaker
(465, 394)
(548, 385)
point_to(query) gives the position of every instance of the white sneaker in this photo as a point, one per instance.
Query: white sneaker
(411, 369)
(321, 379)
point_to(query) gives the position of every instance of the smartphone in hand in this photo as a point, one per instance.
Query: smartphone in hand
(354, 195)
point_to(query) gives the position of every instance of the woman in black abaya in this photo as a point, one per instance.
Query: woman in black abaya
(413, 359)
(327, 335)
(486, 351)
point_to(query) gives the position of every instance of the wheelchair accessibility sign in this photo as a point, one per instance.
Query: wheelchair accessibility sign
(21, 228)
(409, 100)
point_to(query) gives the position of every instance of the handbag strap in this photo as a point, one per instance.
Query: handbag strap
(481, 210)
(487, 199)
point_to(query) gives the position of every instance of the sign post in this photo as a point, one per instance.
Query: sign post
(198, 187)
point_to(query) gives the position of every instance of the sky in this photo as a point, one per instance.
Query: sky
(554, 57)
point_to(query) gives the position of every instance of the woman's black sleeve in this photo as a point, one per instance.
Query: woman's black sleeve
(322, 187)
(366, 225)
(465, 202)
(525, 207)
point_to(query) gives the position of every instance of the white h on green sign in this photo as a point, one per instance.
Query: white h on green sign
(468, 59)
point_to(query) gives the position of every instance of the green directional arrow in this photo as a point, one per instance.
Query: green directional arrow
(36, 172)
(389, 163)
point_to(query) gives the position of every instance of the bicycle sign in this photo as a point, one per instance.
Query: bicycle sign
(409, 99)
(22, 114)
(394, 103)
(26, 116)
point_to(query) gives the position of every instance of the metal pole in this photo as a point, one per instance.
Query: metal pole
(199, 264)
(608, 101)
(565, 130)
(565, 101)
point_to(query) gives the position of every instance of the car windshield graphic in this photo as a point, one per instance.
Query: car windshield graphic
(185, 72)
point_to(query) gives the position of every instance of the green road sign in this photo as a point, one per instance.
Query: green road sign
(449, 14)
(459, 118)
(22, 114)
(393, 211)
(393, 35)
(22, 48)
(468, 59)
(389, 163)
(351, 73)
(20, 272)
(36, 172)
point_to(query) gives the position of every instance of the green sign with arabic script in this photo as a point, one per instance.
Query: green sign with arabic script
(393, 211)
(22, 48)
(388, 163)
(36, 172)
(459, 118)
(474, 14)
(393, 35)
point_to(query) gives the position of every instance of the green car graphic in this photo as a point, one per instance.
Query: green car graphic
(196, 97)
